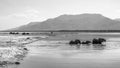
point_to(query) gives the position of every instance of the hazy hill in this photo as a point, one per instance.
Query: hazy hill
(74, 22)
(118, 19)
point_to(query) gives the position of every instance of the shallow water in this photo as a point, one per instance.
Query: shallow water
(65, 56)
(54, 52)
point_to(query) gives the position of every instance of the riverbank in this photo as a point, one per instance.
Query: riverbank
(13, 48)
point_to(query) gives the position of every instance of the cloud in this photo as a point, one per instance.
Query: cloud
(29, 14)
(118, 11)
(19, 18)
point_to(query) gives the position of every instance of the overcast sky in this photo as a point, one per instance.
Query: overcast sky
(14, 13)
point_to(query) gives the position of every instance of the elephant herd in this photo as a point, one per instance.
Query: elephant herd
(94, 41)
(16, 33)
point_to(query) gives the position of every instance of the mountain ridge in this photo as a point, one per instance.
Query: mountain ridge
(118, 19)
(73, 22)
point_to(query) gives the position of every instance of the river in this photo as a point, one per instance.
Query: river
(55, 52)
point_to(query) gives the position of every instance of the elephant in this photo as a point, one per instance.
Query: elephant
(17, 63)
(73, 42)
(86, 42)
(77, 41)
(25, 49)
(98, 41)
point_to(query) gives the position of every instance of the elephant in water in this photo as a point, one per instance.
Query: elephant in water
(75, 42)
(98, 41)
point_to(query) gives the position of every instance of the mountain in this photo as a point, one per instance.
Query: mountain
(73, 22)
(118, 19)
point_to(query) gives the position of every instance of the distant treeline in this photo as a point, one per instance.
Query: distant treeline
(63, 31)
(89, 31)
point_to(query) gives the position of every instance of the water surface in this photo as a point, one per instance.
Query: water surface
(55, 52)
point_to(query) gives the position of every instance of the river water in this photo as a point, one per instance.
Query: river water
(55, 52)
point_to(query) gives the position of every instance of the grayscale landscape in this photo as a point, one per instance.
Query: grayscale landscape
(59, 34)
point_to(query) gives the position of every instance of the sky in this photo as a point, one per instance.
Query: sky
(14, 13)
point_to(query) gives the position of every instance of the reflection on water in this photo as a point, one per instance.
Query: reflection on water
(90, 47)
(99, 47)
(56, 55)
(53, 49)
